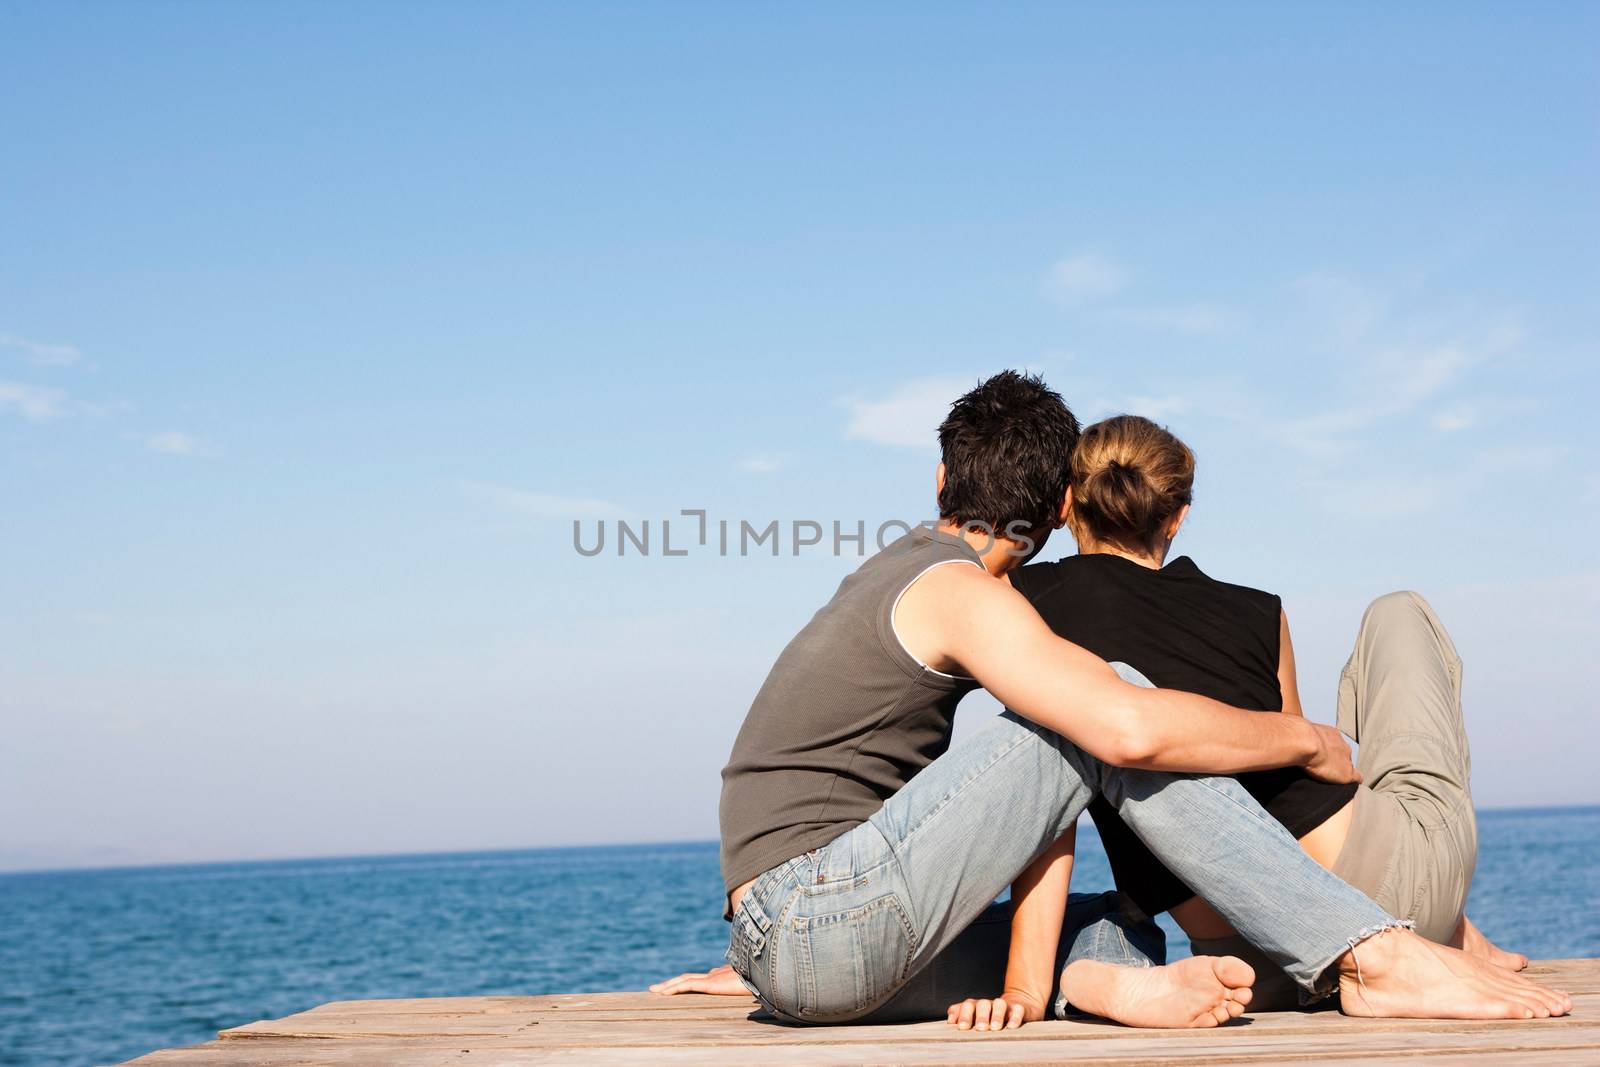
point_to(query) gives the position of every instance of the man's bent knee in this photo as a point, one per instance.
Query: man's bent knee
(1398, 604)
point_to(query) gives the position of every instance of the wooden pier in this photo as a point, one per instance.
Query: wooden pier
(641, 1028)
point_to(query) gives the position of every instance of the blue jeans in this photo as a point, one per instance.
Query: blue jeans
(835, 934)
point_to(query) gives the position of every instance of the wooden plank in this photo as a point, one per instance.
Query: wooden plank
(1575, 976)
(463, 1005)
(629, 1001)
(647, 1002)
(586, 1029)
(1105, 1042)
(640, 1028)
(1527, 1047)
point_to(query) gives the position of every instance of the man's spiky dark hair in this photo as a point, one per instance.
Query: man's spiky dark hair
(1007, 449)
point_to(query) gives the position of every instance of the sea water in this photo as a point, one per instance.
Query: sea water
(100, 966)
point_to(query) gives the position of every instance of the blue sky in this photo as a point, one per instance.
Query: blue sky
(319, 325)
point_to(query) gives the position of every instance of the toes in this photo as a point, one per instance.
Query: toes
(1233, 972)
(1551, 1005)
(1531, 1007)
(1552, 1000)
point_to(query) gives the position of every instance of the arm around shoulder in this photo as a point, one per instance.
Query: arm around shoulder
(989, 631)
(982, 627)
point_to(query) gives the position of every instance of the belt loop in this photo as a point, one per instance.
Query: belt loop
(753, 922)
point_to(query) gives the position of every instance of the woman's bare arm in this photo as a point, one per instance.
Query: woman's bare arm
(1287, 683)
(1038, 908)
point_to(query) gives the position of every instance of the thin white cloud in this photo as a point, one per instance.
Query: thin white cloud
(536, 505)
(36, 403)
(1401, 379)
(1454, 419)
(177, 443)
(908, 416)
(40, 353)
(1083, 278)
(1409, 375)
(760, 464)
(1373, 362)
(1401, 362)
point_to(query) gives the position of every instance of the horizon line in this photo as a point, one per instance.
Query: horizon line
(336, 857)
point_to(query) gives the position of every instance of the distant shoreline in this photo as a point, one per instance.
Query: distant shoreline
(491, 854)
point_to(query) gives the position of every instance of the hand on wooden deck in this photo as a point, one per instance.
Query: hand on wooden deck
(720, 981)
(1007, 1012)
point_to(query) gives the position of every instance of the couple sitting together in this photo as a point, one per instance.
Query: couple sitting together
(862, 854)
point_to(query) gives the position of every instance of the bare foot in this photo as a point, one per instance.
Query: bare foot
(1398, 975)
(1474, 943)
(1196, 992)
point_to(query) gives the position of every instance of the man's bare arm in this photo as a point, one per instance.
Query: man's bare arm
(960, 619)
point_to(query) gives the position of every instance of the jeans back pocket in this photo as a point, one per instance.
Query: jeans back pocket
(851, 960)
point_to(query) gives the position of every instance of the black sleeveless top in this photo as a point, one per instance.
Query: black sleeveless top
(1182, 630)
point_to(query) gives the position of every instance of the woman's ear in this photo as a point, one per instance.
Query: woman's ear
(1177, 523)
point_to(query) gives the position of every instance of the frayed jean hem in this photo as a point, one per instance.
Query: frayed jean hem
(1327, 983)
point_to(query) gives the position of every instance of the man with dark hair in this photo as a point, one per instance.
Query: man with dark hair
(1007, 449)
(856, 850)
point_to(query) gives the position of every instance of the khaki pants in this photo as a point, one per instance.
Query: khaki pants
(1413, 841)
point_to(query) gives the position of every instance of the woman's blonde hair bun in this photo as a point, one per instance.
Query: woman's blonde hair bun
(1129, 478)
